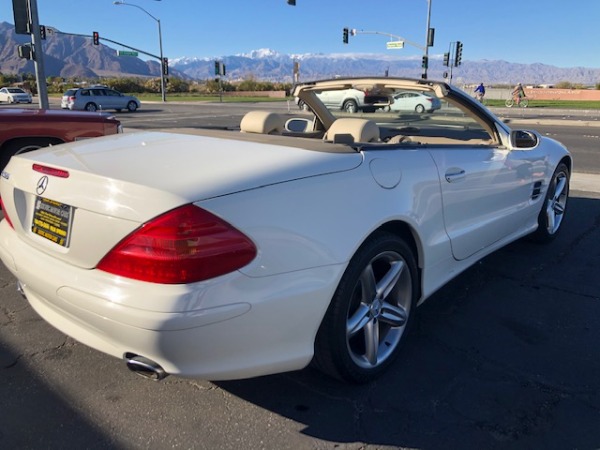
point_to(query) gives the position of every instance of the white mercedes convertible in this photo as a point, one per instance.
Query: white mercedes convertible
(292, 240)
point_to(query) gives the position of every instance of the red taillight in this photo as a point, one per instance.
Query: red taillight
(185, 245)
(50, 171)
(6, 214)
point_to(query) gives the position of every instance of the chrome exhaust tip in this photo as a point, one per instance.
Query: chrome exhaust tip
(145, 367)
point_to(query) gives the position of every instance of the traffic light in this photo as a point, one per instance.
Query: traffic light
(430, 36)
(25, 51)
(217, 68)
(96, 38)
(459, 49)
(447, 59)
(345, 36)
(165, 66)
(425, 62)
(42, 32)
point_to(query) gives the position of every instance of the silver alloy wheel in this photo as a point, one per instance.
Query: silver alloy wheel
(420, 109)
(91, 107)
(556, 202)
(379, 310)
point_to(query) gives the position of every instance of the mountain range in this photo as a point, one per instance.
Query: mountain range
(68, 56)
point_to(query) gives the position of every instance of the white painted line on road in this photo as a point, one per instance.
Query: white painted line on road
(587, 182)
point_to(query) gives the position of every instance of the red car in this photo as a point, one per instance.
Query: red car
(23, 130)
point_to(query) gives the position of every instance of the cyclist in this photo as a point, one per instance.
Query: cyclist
(518, 93)
(480, 92)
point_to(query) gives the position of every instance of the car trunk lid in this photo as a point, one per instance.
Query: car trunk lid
(110, 186)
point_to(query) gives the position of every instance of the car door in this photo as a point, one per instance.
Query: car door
(115, 99)
(486, 189)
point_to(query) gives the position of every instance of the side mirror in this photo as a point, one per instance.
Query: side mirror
(298, 125)
(523, 139)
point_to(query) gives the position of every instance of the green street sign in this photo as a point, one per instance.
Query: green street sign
(395, 44)
(126, 53)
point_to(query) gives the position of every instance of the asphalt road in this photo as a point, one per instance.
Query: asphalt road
(504, 357)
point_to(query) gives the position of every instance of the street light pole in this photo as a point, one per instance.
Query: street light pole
(424, 76)
(162, 59)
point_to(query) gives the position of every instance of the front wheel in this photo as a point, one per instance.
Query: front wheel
(350, 106)
(553, 211)
(524, 103)
(371, 310)
(132, 106)
(420, 109)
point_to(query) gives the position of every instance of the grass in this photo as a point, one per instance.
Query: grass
(558, 104)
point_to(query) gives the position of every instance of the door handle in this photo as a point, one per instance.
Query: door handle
(454, 174)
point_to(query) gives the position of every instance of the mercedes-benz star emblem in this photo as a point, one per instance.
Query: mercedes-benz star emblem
(42, 184)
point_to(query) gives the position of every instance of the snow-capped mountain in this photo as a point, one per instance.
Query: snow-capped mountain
(268, 64)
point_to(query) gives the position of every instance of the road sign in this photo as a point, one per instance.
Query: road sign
(394, 44)
(126, 53)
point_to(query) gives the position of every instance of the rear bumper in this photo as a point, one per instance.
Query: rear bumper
(230, 327)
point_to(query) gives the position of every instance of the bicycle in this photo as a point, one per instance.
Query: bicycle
(524, 103)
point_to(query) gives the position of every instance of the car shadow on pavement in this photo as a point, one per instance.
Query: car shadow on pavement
(505, 356)
(33, 415)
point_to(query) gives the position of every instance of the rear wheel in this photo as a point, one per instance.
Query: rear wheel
(22, 146)
(371, 310)
(92, 107)
(509, 103)
(553, 212)
(350, 106)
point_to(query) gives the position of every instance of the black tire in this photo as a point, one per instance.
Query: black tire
(370, 313)
(91, 107)
(420, 109)
(554, 209)
(350, 106)
(22, 146)
(132, 106)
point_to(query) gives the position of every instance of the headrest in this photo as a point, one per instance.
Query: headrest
(349, 130)
(263, 122)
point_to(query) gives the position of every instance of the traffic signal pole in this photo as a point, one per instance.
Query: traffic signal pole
(428, 38)
(38, 53)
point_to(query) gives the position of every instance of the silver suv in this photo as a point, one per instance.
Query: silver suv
(98, 98)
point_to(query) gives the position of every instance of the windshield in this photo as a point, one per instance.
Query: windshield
(413, 111)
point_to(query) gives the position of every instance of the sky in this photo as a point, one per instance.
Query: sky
(554, 32)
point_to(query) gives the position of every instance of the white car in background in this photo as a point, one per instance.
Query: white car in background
(294, 240)
(14, 95)
(414, 101)
(97, 98)
(351, 100)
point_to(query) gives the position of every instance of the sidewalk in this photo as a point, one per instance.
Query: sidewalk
(549, 116)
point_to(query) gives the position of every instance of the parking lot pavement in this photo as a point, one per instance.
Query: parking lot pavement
(504, 357)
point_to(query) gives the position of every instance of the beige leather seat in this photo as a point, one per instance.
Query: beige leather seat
(262, 122)
(350, 130)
